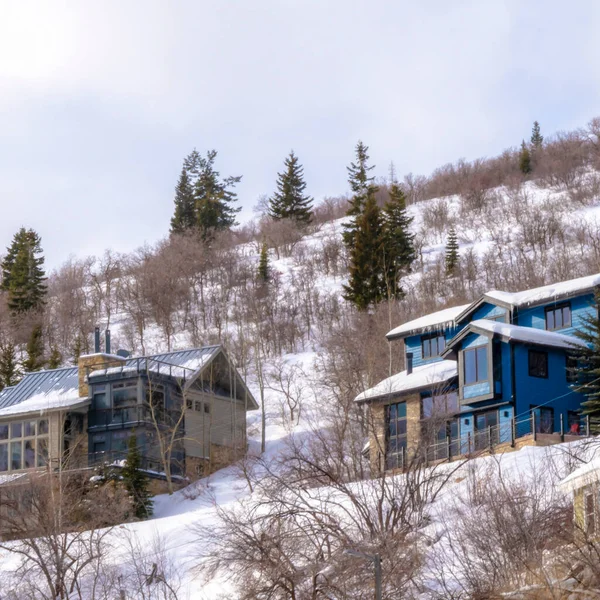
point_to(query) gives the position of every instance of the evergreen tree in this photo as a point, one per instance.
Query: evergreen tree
(263, 264)
(184, 217)
(365, 285)
(77, 349)
(23, 275)
(525, 159)
(35, 351)
(213, 196)
(452, 255)
(55, 359)
(362, 187)
(537, 139)
(136, 481)
(398, 247)
(289, 201)
(9, 369)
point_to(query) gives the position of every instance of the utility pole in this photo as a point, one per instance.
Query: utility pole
(376, 560)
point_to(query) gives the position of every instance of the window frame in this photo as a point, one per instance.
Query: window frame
(552, 310)
(40, 434)
(392, 458)
(530, 353)
(476, 351)
(429, 338)
(589, 494)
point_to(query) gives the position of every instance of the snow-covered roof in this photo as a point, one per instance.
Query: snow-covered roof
(423, 376)
(437, 320)
(42, 403)
(529, 335)
(546, 292)
(585, 475)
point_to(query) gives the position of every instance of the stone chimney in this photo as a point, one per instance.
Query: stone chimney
(93, 362)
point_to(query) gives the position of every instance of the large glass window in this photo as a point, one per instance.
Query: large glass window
(124, 394)
(544, 419)
(441, 404)
(486, 430)
(538, 364)
(101, 398)
(558, 317)
(16, 455)
(396, 434)
(476, 365)
(26, 446)
(433, 345)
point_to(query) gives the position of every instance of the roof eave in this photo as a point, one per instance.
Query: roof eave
(399, 394)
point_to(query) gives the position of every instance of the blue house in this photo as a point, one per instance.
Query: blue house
(491, 372)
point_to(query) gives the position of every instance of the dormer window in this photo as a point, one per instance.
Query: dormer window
(433, 345)
(558, 317)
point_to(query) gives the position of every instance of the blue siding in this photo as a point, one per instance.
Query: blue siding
(487, 310)
(506, 391)
(506, 413)
(553, 392)
(581, 306)
(473, 340)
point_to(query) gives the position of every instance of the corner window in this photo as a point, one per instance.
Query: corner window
(395, 435)
(538, 364)
(443, 404)
(476, 365)
(589, 508)
(558, 317)
(433, 345)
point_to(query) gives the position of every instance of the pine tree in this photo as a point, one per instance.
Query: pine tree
(184, 217)
(136, 481)
(362, 187)
(398, 247)
(537, 139)
(77, 349)
(452, 255)
(263, 264)
(9, 369)
(365, 284)
(23, 275)
(525, 159)
(213, 196)
(289, 201)
(55, 359)
(35, 351)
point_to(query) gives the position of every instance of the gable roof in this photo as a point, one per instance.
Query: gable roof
(515, 333)
(422, 377)
(43, 391)
(587, 474)
(441, 319)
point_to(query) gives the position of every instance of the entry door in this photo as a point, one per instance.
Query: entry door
(544, 419)
(483, 421)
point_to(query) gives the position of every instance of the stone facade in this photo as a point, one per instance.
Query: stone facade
(93, 362)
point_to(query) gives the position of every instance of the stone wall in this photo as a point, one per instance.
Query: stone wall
(93, 362)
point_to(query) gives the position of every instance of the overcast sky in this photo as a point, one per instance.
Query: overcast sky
(100, 101)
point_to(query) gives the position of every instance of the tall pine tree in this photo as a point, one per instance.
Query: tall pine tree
(23, 275)
(263, 264)
(537, 139)
(525, 159)
(213, 195)
(362, 187)
(289, 201)
(365, 284)
(398, 247)
(452, 255)
(136, 481)
(184, 217)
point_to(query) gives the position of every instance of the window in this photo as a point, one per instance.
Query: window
(538, 364)
(433, 345)
(442, 404)
(486, 430)
(500, 318)
(124, 394)
(396, 434)
(558, 317)
(544, 419)
(26, 446)
(589, 513)
(571, 365)
(476, 365)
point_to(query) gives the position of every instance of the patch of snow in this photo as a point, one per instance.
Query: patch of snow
(585, 475)
(436, 320)
(527, 334)
(42, 403)
(421, 377)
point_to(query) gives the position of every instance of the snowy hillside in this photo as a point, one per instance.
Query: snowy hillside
(518, 238)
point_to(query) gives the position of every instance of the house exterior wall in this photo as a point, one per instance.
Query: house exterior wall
(413, 344)
(553, 391)
(581, 307)
(489, 311)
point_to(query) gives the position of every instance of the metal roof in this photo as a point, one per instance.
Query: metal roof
(65, 381)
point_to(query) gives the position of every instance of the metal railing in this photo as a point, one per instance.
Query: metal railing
(506, 433)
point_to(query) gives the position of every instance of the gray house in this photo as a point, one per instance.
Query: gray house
(186, 409)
